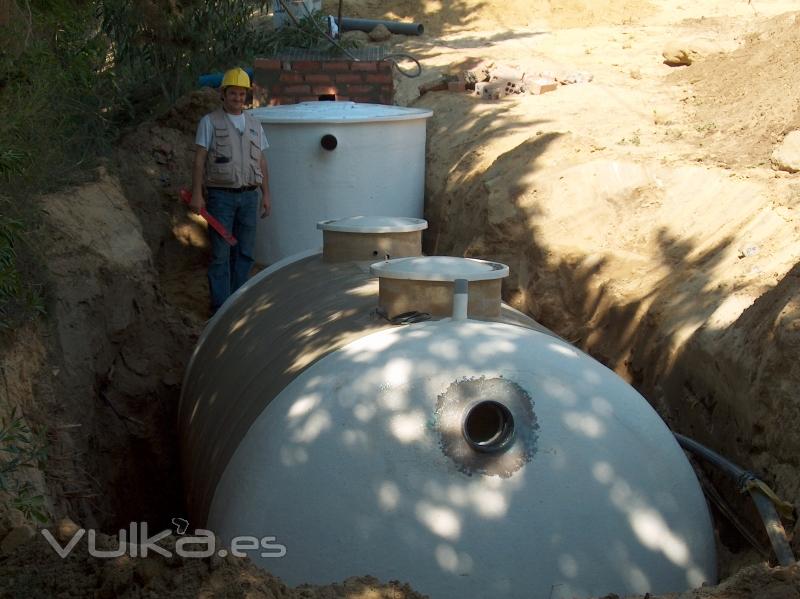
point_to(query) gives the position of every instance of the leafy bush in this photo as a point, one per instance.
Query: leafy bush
(19, 299)
(73, 73)
(165, 45)
(307, 33)
(56, 96)
(20, 449)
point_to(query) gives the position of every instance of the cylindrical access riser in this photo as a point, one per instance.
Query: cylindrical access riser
(426, 284)
(398, 296)
(371, 238)
(340, 247)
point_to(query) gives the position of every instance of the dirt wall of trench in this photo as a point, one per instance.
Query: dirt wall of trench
(691, 299)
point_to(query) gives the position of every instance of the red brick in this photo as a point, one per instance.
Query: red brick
(386, 99)
(387, 89)
(342, 98)
(324, 90)
(268, 64)
(275, 101)
(385, 65)
(317, 78)
(380, 78)
(366, 98)
(306, 65)
(349, 78)
(307, 99)
(336, 65)
(297, 89)
(365, 66)
(266, 79)
(291, 77)
(361, 89)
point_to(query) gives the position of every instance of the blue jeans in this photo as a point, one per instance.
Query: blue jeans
(230, 265)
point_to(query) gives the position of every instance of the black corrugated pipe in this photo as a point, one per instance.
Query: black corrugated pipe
(348, 24)
(744, 481)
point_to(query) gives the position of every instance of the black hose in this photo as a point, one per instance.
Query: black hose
(714, 458)
(743, 479)
(391, 57)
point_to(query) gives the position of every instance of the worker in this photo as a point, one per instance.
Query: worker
(229, 164)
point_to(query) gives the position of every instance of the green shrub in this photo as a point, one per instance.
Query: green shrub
(56, 97)
(73, 74)
(21, 449)
(308, 33)
(20, 298)
(164, 46)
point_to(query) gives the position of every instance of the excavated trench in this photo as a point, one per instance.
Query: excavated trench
(128, 303)
(139, 331)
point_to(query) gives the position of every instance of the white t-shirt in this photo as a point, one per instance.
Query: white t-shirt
(205, 130)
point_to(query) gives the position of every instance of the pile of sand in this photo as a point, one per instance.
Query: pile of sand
(748, 99)
(475, 15)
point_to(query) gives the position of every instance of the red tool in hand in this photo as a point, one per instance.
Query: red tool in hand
(186, 197)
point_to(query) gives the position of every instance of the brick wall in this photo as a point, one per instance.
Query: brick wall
(292, 81)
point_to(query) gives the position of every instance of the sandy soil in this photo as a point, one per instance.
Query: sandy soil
(639, 215)
(36, 572)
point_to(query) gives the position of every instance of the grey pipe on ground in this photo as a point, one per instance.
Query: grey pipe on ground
(348, 24)
(765, 506)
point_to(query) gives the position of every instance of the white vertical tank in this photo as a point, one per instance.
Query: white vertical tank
(333, 159)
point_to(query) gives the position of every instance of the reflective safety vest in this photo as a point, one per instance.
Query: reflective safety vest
(234, 159)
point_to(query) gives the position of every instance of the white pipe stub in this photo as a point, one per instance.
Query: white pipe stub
(460, 299)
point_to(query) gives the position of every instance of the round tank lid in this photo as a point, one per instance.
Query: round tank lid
(373, 224)
(439, 268)
(337, 112)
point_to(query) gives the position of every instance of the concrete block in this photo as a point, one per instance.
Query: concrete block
(542, 86)
(493, 90)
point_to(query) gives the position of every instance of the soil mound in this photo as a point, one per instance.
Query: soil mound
(749, 94)
(471, 15)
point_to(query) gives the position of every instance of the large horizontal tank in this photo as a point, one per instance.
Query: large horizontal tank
(332, 159)
(473, 458)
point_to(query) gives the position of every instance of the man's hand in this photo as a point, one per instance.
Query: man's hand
(198, 202)
(266, 202)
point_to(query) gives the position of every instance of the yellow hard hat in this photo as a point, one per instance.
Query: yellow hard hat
(237, 77)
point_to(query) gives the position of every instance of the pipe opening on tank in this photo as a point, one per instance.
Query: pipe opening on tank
(488, 426)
